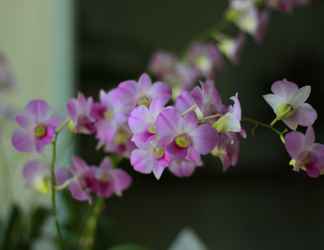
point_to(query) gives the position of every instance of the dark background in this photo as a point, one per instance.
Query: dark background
(260, 204)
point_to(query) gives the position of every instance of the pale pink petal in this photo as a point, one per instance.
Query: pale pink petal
(23, 120)
(204, 138)
(295, 144)
(32, 170)
(39, 109)
(284, 88)
(142, 161)
(144, 82)
(236, 108)
(138, 119)
(128, 88)
(120, 180)
(161, 91)
(71, 107)
(300, 96)
(78, 192)
(274, 101)
(22, 141)
(158, 171)
(106, 164)
(182, 168)
(309, 137)
(184, 101)
(141, 139)
(167, 123)
(62, 175)
(305, 115)
(291, 123)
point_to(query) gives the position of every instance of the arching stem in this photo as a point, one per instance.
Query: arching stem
(265, 125)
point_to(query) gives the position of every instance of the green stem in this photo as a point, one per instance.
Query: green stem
(89, 233)
(53, 183)
(262, 124)
(53, 191)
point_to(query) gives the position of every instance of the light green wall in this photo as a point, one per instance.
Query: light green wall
(36, 35)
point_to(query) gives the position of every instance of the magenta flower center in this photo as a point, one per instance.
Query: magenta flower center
(183, 141)
(40, 131)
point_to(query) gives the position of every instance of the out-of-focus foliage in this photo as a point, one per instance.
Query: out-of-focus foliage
(128, 247)
(19, 231)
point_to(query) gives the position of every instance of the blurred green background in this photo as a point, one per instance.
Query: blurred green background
(58, 47)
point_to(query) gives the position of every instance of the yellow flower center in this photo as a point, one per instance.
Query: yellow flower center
(104, 177)
(158, 152)
(145, 101)
(121, 137)
(71, 126)
(284, 111)
(218, 152)
(203, 63)
(151, 129)
(182, 141)
(221, 125)
(42, 185)
(108, 115)
(40, 131)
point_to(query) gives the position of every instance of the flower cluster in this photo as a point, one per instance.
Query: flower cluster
(204, 60)
(136, 120)
(288, 102)
(83, 180)
(39, 128)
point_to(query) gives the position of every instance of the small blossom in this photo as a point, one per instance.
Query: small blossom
(110, 181)
(183, 134)
(37, 127)
(227, 149)
(244, 14)
(150, 157)
(183, 77)
(208, 99)
(144, 91)
(205, 97)
(80, 177)
(288, 103)
(37, 176)
(121, 143)
(286, 5)
(162, 63)
(111, 114)
(230, 121)
(142, 122)
(305, 153)
(231, 47)
(80, 111)
(184, 167)
(263, 17)
(206, 58)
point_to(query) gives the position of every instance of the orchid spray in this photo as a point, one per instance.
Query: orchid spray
(167, 125)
